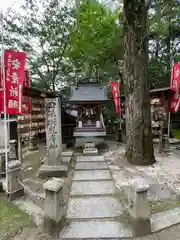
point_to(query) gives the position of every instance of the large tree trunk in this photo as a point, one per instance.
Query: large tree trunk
(139, 148)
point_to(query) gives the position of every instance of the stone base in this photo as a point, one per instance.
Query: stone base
(52, 227)
(67, 154)
(66, 160)
(92, 152)
(46, 171)
(15, 195)
(141, 227)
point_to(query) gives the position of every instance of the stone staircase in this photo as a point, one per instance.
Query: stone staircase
(94, 209)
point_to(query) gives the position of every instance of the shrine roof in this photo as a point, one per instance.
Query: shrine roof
(88, 92)
(35, 92)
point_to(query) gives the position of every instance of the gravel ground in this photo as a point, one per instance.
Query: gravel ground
(172, 233)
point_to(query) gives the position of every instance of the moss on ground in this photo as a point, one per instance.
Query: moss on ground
(176, 133)
(161, 206)
(12, 219)
(78, 150)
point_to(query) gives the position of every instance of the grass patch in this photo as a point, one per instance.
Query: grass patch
(161, 206)
(12, 219)
(78, 150)
(176, 133)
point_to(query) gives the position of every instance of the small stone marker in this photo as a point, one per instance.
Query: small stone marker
(140, 210)
(90, 149)
(54, 206)
(15, 189)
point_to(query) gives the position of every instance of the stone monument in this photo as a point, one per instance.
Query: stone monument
(52, 166)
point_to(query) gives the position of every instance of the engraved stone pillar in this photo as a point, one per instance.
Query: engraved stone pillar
(52, 167)
(53, 131)
(54, 206)
(12, 150)
(15, 189)
(141, 211)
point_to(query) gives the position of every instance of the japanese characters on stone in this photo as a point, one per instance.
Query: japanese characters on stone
(51, 125)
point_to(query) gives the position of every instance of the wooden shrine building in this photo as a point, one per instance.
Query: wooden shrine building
(86, 98)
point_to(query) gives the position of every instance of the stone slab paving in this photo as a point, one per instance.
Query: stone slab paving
(94, 207)
(92, 187)
(95, 229)
(90, 159)
(91, 165)
(172, 233)
(92, 175)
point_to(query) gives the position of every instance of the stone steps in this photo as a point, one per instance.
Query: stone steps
(94, 210)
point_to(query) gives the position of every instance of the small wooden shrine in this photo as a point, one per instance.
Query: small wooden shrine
(86, 97)
(32, 124)
(159, 99)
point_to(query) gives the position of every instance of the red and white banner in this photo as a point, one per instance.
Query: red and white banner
(25, 99)
(174, 101)
(14, 66)
(116, 94)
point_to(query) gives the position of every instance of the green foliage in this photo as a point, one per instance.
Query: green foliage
(95, 37)
(164, 46)
(43, 32)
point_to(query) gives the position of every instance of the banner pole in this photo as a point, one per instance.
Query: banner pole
(5, 115)
(169, 115)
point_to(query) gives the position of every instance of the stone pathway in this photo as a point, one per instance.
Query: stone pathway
(94, 210)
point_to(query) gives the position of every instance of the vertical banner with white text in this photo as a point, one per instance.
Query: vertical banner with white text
(116, 95)
(14, 66)
(174, 101)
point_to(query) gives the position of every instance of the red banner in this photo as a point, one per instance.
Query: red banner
(26, 100)
(116, 94)
(175, 77)
(14, 63)
(174, 103)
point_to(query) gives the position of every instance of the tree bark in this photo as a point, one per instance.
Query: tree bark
(139, 146)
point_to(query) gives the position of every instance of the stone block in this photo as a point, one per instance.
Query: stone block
(90, 159)
(96, 229)
(80, 188)
(141, 227)
(53, 171)
(15, 188)
(90, 152)
(141, 210)
(54, 206)
(90, 145)
(66, 160)
(91, 165)
(94, 207)
(67, 154)
(92, 175)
